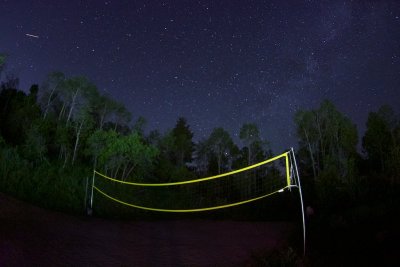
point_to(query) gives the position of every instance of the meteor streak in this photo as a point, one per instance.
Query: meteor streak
(31, 35)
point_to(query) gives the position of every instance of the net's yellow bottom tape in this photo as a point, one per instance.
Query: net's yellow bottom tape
(190, 210)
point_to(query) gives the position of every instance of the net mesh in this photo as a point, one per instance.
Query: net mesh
(216, 192)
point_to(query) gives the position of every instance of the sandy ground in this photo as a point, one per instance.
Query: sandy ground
(31, 236)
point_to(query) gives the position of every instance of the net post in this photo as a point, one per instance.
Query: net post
(287, 168)
(90, 211)
(292, 175)
(301, 199)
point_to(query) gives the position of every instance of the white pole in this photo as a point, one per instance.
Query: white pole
(91, 195)
(301, 201)
(292, 175)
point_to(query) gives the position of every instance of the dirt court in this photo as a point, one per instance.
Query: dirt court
(31, 236)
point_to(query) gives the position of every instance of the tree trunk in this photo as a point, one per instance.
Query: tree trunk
(311, 154)
(72, 105)
(65, 158)
(130, 171)
(103, 117)
(115, 126)
(321, 141)
(77, 141)
(95, 162)
(116, 171)
(123, 172)
(48, 102)
(249, 156)
(61, 111)
(219, 163)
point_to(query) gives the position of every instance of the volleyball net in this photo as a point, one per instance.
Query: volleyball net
(229, 189)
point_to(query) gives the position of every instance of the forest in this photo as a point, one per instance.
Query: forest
(52, 137)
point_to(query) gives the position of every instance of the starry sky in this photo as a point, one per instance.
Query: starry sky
(217, 63)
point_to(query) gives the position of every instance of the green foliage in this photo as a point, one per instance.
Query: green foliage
(122, 156)
(12, 167)
(330, 139)
(18, 112)
(382, 143)
(45, 184)
(173, 160)
(39, 140)
(328, 156)
(35, 147)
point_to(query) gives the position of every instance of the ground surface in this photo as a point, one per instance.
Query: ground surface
(31, 236)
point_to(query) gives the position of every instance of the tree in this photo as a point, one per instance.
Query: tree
(254, 146)
(183, 142)
(18, 111)
(381, 141)
(202, 157)
(121, 117)
(103, 110)
(63, 141)
(72, 94)
(51, 87)
(97, 143)
(222, 148)
(154, 138)
(81, 109)
(122, 156)
(308, 137)
(35, 147)
(330, 138)
(167, 170)
(11, 82)
(139, 125)
(82, 124)
(78, 98)
(3, 58)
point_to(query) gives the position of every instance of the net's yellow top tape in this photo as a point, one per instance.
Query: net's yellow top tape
(206, 178)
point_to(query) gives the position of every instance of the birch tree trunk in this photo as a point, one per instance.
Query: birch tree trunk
(72, 105)
(77, 141)
(311, 154)
(61, 112)
(48, 102)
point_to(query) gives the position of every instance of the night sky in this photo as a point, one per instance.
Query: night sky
(217, 63)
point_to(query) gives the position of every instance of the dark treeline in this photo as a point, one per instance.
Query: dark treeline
(355, 197)
(57, 134)
(54, 136)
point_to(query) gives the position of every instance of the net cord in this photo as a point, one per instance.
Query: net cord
(190, 210)
(206, 178)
